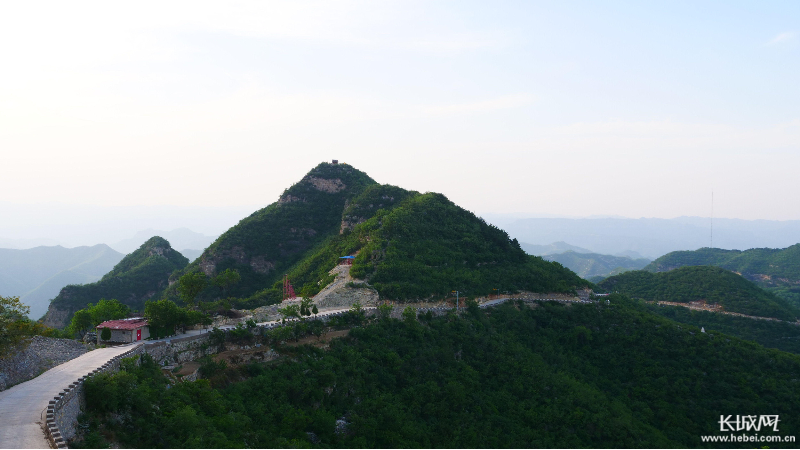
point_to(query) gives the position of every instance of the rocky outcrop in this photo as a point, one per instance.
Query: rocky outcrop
(288, 198)
(339, 295)
(325, 185)
(259, 264)
(55, 317)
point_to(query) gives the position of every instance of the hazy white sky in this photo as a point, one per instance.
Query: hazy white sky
(568, 108)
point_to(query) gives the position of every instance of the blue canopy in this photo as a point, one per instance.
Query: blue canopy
(347, 257)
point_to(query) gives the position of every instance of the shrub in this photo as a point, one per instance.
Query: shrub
(105, 334)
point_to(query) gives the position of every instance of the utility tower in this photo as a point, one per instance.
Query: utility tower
(288, 290)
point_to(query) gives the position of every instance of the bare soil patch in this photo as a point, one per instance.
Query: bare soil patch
(319, 342)
(188, 368)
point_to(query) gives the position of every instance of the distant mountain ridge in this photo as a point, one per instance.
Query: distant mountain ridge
(36, 275)
(593, 265)
(774, 269)
(178, 238)
(652, 238)
(138, 277)
(551, 249)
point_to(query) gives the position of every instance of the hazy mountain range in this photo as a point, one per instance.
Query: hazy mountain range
(73, 225)
(180, 238)
(650, 238)
(593, 266)
(551, 249)
(37, 275)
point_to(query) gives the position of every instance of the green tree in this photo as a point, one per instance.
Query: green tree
(384, 310)
(410, 315)
(190, 285)
(226, 279)
(289, 311)
(105, 334)
(163, 316)
(12, 313)
(317, 328)
(357, 308)
(305, 306)
(107, 310)
(81, 322)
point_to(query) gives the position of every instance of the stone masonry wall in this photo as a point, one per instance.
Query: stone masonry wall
(32, 357)
(180, 350)
(62, 412)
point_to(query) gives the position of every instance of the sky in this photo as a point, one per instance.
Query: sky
(574, 109)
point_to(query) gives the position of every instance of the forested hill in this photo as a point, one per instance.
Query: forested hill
(265, 245)
(138, 277)
(425, 246)
(774, 269)
(712, 284)
(408, 245)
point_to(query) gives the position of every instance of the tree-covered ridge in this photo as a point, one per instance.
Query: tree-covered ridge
(155, 248)
(374, 198)
(711, 284)
(775, 269)
(428, 246)
(263, 246)
(580, 376)
(425, 247)
(589, 265)
(138, 277)
(409, 245)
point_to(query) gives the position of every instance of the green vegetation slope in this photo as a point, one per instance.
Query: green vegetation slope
(265, 245)
(580, 376)
(769, 333)
(708, 283)
(137, 278)
(777, 270)
(420, 246)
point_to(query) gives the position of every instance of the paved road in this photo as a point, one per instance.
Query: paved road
(21, 406)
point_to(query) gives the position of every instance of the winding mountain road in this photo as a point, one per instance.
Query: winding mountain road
(22, 406)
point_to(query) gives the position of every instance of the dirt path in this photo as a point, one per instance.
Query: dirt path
(21, 406)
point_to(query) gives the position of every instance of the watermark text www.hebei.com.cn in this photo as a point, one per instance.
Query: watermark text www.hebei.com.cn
(752, 423)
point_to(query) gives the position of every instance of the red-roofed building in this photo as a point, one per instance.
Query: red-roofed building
(125, 330)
